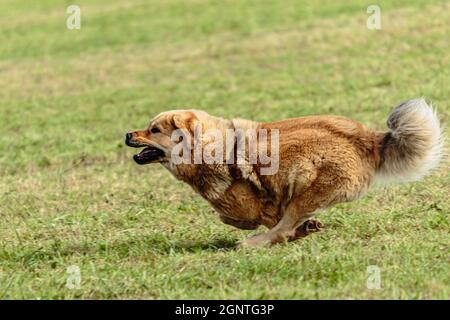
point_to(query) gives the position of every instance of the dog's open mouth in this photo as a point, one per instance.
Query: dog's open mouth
(148, 155)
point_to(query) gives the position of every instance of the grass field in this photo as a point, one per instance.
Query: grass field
(70, 195)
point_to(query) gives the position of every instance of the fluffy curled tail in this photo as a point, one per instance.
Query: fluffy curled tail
(414, 144)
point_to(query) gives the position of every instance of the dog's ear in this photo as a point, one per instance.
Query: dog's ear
(185, 121)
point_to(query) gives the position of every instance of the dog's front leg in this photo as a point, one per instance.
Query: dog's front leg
(240, 224)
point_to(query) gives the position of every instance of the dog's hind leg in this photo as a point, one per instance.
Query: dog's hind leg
(298, 211)
(308, 227)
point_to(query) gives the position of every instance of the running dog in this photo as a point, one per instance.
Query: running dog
(321, 161)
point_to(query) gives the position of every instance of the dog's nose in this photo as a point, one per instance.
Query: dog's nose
(128, 137)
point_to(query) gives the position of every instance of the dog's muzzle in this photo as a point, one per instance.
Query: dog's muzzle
(148, 155)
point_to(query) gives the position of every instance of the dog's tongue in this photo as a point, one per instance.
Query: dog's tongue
(146, 151)
(147, 155)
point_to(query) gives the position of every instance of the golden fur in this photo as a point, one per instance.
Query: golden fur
(323, 160)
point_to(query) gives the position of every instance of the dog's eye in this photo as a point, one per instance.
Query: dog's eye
(155, 130)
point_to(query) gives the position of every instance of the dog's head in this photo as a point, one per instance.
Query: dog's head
(157, 138)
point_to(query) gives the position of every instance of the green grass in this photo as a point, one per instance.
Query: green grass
(71, 195)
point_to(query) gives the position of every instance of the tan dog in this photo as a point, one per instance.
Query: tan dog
(322, 160)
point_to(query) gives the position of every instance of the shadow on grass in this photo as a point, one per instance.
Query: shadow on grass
(192, 246)
(159, 245)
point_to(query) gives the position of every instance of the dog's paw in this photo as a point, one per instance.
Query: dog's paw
(308, 227)
(313, 225)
